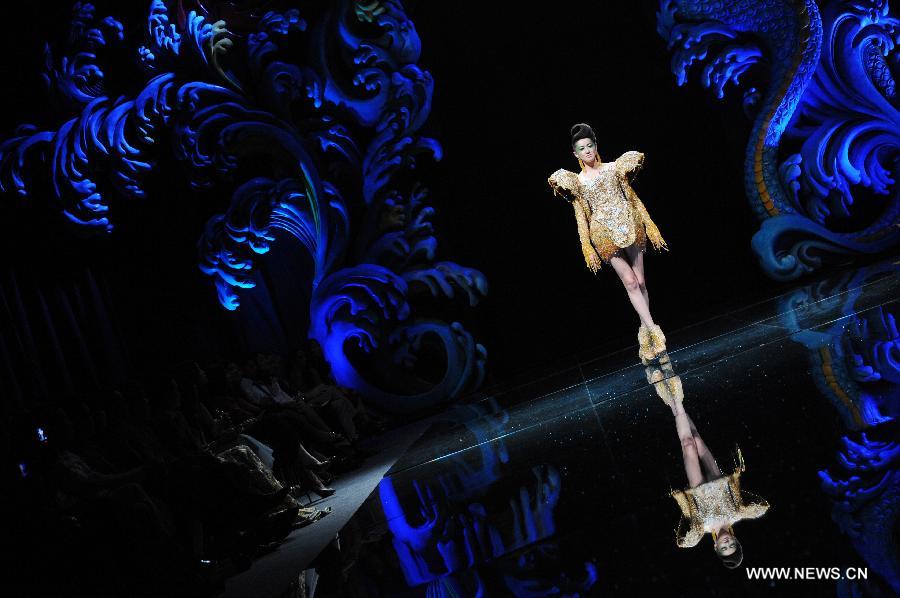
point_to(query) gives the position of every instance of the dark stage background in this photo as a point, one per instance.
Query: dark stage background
(508, 86)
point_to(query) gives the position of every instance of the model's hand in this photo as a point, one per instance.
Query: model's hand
(592, 260)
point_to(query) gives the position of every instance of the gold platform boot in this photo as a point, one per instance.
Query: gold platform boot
(674, 388)
(645, 352)
(657, 339)
(669, 389)
(655, 378)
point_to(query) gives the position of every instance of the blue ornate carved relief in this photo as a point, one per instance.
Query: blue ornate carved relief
(820, 87)
(307, 122)
(449, 537)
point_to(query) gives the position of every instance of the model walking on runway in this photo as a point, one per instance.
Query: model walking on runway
(613, 224)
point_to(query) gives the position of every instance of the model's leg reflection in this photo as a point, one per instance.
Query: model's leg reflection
(699, 463)
(665, 381)
(706, 456)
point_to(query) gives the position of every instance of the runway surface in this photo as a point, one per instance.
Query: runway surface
(561, 483)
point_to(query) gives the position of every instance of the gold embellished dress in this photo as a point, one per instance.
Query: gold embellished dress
(609, 214)
(715, 504)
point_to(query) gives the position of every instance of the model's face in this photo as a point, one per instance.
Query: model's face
(585, 150)
(725, 543)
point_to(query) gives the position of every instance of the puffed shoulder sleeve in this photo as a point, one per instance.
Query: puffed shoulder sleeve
(690, 530)
(564, 184)
(629, 164)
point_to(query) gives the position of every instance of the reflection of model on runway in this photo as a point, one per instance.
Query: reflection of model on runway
(713, 502)
(613, 224)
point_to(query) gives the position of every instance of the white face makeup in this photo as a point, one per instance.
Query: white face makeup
(585, 150)
(725, 544)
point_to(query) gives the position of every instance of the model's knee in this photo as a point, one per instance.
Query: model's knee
(702, 450)
(630, 283)
(688, 443)
(640, 282)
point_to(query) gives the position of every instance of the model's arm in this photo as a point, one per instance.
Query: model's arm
(689, 533)
(652, 231)
(628, 165)
(690, 530)
(584, 234)
(755, 506)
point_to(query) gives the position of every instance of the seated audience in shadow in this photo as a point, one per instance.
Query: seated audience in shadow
(175, 483)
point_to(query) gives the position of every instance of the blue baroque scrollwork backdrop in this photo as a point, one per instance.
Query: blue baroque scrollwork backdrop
(306, 123)
(820, 87)
(855, 362)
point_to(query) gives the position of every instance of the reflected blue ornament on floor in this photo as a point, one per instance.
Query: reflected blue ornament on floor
(856, 359)
(855, 364)
(453, 534)
(864, 486)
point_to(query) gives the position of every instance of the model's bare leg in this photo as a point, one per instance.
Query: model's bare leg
(630, 280)
(688, 445)
(636, 257)
(706, 456)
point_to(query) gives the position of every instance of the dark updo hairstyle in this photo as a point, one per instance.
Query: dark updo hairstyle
(733, 560)
(582, 131)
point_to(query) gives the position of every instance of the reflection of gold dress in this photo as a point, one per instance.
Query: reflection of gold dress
(714, 504)
(609, 213)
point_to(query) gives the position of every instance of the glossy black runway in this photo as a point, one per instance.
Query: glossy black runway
(560, 486)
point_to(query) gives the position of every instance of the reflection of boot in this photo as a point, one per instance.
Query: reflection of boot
(657, 340)
(657, 379)
(674, 388)
(646, 351)
(665, 364)
(654, 374)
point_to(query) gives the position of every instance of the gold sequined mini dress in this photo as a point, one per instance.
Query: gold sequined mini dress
(714, 504)
(609, 214)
